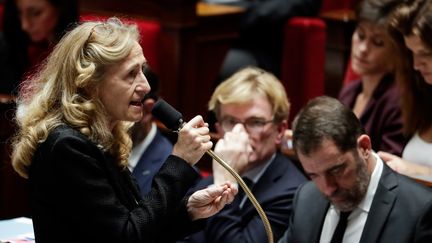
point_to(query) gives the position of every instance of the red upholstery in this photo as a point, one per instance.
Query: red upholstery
(303, 60)
(350, 75)
(150, 32)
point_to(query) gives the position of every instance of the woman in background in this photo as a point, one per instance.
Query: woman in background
(414, 22)
(376, 58)
(30, 29)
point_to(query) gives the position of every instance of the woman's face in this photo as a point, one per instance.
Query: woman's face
(422, 56)
(38, 19)
(371, 50)
(123, 89)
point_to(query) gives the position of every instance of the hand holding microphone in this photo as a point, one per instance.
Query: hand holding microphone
(193, 137)
(193, 140)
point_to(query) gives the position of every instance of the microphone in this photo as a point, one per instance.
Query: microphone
(173, 120)
(168, 115)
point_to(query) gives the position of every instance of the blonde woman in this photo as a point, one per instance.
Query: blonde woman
(73, 146)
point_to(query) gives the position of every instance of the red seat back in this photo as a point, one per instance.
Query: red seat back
(303, 60)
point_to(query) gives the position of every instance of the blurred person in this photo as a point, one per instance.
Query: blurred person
(252, 109)
(414, 22)
(353, 195)
(261, 30)
(377, 59)
(30, 29)
(150, 147)
(73, 146)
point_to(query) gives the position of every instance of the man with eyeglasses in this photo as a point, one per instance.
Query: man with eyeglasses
(251, 109)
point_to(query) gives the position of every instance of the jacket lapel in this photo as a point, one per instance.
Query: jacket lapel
(271, 176)
(320, 210)
(381, 206)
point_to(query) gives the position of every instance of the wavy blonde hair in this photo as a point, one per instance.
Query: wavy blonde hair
(245, 85)
(64, 92)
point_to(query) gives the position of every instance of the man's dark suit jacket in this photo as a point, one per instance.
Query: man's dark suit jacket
(274, 191)
(401, 212)
(151, 161)
(382, 117)
(78, 193)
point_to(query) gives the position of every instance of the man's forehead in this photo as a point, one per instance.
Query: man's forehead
(323, 157)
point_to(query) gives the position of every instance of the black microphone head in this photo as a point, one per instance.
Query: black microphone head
(168, 115)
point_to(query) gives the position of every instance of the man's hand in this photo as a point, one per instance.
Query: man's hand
(234, 148)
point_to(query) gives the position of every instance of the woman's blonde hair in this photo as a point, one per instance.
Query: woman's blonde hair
(245, 85)
(64, 91)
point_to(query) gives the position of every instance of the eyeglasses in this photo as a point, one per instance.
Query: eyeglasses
(252, 125)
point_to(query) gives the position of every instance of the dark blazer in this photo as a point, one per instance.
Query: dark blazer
(401, 212)
(382, 117)
(79, 194)
(151, 161)
(274, 191)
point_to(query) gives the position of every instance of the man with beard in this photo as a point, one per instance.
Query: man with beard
(353, 195)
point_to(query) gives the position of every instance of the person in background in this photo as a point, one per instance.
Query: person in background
(377, 59)
(30, 29)
(73, 146)
(261, 33)
(252, 109)
(353, 195)
(150, 148)
(414, 22)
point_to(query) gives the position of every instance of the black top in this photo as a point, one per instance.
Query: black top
(79, 194)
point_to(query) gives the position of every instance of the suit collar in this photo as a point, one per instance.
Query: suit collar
(280, 166)
(381, 206)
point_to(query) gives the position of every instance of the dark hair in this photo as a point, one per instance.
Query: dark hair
(325, 118)
(375, 11)
(18, 41)
(415, 19)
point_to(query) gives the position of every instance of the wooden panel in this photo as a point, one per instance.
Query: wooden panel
(340, 26)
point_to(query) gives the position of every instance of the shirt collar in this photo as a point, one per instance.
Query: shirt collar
(256, 173)
(366, 203)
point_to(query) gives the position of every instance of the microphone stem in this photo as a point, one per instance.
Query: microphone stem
(248, 193)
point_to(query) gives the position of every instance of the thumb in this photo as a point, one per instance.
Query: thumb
(385, 156)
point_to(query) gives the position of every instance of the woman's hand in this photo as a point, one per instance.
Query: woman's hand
(193, 140)
(404, 167)
(207, 202)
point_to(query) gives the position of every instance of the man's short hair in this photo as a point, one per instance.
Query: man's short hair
(245, 85)
(325, 118)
